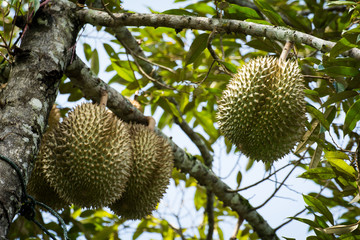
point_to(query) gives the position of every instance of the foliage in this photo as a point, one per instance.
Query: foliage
(328, 153)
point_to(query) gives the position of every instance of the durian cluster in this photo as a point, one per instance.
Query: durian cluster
(262, 110)
(93, 159)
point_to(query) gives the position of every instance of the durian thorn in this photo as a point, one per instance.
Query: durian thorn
(103, 98)
(151, 122)
(285, 52)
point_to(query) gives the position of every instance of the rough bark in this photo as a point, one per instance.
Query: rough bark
(81, 76)
(202, 23)
(29, 95)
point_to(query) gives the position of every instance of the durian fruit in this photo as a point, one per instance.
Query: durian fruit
(38, 186)
(262, 110)
(153, 163)
(54, 117)
(90, 160)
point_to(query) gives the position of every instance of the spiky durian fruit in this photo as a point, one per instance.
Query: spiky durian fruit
(54, 117)
(90, 160)
(153, 163)
(38, 186)
(262, 110)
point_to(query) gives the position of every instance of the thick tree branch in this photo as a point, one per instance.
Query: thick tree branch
(202, 23)
(29, 95)
(182, 161)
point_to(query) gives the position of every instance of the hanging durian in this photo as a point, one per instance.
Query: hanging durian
(54, 117)
(262, 110)
(38, 186)
(90, 157)
(151, 171)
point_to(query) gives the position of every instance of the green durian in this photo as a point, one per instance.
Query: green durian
(151, 172)
(38, 186)
(262, 110)
(90, 160)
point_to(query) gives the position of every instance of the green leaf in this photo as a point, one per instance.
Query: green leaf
(318, 206)
(343, 167)
(199, 198)
(196, 48)
(231, 67)
(110, 51)
(269, 12)
(36, 4)
(341, 46)
(336, 155)
(320, 173)
(87, 51)
(182, 12)
(315, 160)
(338, 97)
(95, 62)
(340, 229)
(352, 117)
(342, 70)
(124, 73)
(238, 179)
(242, 13)
(168, 106)
(318, 115)
(341, 3)
(306, 221)
(202, 8)
(206, 122)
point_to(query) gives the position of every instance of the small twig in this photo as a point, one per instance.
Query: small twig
(285, 52)
(147, 60)
(237, 227)
(207, 74)
(278, 188)
(103, 99)
(107, 10)
(210, 214)
(297, 214)
(262, 180)
(213, 54)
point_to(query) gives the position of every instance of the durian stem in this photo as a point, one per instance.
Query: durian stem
(285, 52)
(104, 98)
(151, 123)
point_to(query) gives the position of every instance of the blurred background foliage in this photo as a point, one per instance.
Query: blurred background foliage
(192, 81)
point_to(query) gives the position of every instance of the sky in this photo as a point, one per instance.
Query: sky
(287, 202)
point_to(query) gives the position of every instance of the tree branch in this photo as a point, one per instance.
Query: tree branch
(27, 99)
(202, 23)
(182, 160)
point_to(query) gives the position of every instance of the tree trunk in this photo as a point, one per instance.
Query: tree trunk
(29, 95)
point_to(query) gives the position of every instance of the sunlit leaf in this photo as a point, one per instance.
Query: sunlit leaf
(339, 229)
(320, 173)
(343, 167)
(318, 206)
